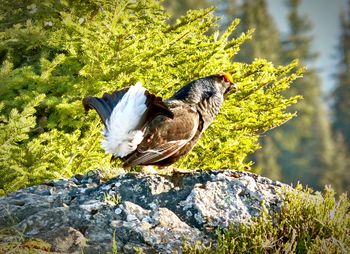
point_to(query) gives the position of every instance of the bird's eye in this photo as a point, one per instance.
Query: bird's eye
(227, 78)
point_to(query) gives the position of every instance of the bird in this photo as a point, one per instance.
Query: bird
(141, 128)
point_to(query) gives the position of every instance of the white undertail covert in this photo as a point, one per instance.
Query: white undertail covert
(120, 136)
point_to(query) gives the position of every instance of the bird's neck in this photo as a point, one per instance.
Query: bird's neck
(209, 109)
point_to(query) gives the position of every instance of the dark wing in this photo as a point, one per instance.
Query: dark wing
(155, 107)
(164, 137)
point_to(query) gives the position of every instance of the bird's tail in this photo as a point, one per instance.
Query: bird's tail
(125, 114)
(104, 105)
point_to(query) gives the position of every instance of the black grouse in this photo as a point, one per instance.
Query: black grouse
(142, 129)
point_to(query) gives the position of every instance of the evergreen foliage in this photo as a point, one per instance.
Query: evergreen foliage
(70, 49)
(15, 129)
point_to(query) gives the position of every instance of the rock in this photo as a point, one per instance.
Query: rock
(64, 239)
(137, 212)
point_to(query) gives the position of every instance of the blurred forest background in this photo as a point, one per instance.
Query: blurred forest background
(53, 53)
(314, 147)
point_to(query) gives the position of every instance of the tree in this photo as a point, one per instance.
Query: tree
(266, 44)
(341, 105)
(305, 142)
(180, 7)
(300, 150)
(85, 48)
(227, 10)
(339, 175)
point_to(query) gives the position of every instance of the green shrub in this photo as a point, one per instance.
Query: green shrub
(67, 50)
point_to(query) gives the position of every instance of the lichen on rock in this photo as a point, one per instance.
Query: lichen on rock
(152, 213)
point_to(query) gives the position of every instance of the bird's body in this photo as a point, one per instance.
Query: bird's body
(142, 129)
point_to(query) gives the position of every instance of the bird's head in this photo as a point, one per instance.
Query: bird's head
(213, 86)
(216, 85)
(225, 83)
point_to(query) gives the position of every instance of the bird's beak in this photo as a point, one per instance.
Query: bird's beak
(233, 87)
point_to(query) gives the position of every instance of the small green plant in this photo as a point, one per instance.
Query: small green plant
(114, 243)
(112, 199)
(308, 223)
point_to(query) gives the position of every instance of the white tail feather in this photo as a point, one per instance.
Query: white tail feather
(121, 138)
